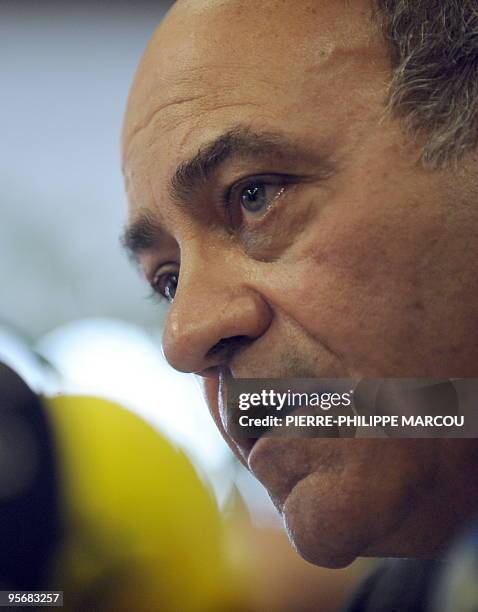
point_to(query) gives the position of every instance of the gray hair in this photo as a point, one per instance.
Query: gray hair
(434, 54)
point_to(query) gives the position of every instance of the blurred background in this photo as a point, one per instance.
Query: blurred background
(75, 318)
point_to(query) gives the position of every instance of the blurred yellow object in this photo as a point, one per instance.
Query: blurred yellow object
(141, 531)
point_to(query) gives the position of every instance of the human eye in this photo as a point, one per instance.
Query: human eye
(165, 283)
(250, 199)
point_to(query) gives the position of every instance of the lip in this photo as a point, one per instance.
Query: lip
(254, 450)
(279, 480)
(244, 445)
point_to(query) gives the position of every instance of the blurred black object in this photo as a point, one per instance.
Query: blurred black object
(458, 586)
(29, 508)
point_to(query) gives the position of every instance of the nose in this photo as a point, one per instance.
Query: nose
(214, 314)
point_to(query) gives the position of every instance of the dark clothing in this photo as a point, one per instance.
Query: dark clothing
(398, 585)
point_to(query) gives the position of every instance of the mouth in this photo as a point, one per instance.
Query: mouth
(243, 445)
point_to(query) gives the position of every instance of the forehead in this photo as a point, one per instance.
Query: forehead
(216, 63)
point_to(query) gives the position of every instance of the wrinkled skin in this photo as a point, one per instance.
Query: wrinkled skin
(362, 263)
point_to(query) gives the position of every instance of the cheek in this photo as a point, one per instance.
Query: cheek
(353, 281)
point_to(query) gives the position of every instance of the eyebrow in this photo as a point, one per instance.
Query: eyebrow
(238, 142)
(142, 235)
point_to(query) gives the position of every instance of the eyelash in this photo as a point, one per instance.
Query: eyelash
(156, 294)
(231, 193)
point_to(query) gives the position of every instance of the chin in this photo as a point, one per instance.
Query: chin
(341, 499)
(321, 536)
(332, 521)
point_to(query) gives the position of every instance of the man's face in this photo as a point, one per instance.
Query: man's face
(309, 242)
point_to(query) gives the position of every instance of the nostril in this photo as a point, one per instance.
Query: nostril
(217, 348)
(228, 345)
